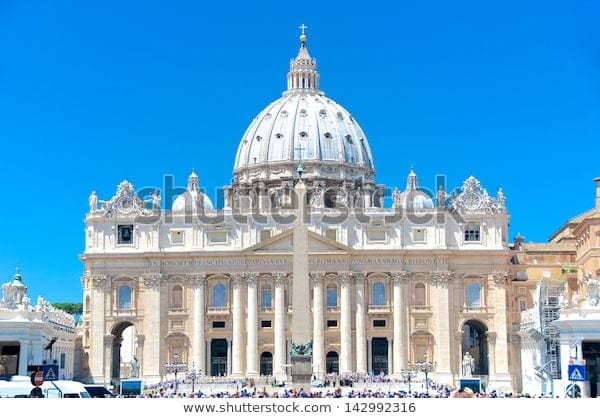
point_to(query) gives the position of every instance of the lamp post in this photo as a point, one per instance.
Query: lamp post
(175, 367)
(408, 375)
(192, 375)
(426, 367)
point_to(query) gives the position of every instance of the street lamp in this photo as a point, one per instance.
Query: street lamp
(192, 375)
(408, 375)
(175, 367)
(426, 367)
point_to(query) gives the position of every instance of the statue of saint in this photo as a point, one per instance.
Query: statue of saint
(135, 367)
(316, 200)
(340, 198)
(441, 197)
(396, 198)
(156, 200)
(227, 197)
(93, 201)
(501, 198)
(468, 365)
(358, 197)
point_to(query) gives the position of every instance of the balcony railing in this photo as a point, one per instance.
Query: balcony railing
(266, 309)
(218, 310)
(380, 308)
(420, 308)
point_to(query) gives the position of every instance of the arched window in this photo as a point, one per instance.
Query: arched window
(177, 298)
(219, 296)
(473, 295)
(420, 295)
(378, 294)
(266, 298)
(125, 297)
(522, 303)
(331, 297)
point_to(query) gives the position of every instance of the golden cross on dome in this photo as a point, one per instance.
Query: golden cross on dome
(302, 28)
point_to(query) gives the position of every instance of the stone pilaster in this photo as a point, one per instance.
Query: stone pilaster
(252, 326)
(346, 324)
(440, 279)
(237, 348)
(400, 352)
(152, 328)
(100, 287)
(197, 284)
(500, 379)
(279, 332)
(318, 360)
(361, 334)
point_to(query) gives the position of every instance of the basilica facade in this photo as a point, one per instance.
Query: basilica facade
(304, 258)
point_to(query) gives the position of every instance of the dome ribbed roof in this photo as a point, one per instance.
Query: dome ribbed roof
(304, 125)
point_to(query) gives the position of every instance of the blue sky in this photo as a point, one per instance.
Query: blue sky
(91, 94)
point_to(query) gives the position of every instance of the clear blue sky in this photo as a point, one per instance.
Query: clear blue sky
(91, 94)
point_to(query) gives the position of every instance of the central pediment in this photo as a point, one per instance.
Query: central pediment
(284, 243)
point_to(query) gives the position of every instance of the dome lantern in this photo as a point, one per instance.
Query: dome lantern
(303, 75)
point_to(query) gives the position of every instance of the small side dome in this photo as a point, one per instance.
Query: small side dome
(192, 200)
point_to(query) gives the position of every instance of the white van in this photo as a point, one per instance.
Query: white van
(20, 387)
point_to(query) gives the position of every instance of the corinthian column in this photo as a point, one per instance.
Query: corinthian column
(346, 325)
(361, 336)
(279, 332)
(400, 352)
(252, 327)
(318, 359)
(238, 324)
(441, 282)
(197, 284)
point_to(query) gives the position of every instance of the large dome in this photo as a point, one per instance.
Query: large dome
(304, 125)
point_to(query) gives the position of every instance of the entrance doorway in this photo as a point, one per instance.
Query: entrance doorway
(332, 363)
(218, 357)
(474, 341)
(591, 354)
(379, 350)
(123, 351)
(266, 364)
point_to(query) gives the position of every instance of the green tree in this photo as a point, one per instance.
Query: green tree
(69, 307)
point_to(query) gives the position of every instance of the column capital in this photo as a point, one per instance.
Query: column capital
(399, 277)
(252, 278)
(500, 278)
(441, 278)
(196, 281)
(99, 281)
(359, 276)
(317, 276)
(279, 278)
(152, 280)
(345, 277)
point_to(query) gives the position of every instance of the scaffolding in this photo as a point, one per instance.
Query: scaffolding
(549, 302)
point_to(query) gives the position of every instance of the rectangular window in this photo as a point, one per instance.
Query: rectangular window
(474, 295)
(331, 323)
(331, 297)
(218, 237)
(176, 237)
(265, 234)
(331, 233)
(472, 231)
(379, 323)
(63, 360)
(265, 299)
(377, 235)
(265, 324)
(419, 234)
(218, 324)
(125, 234)
(522, 306)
